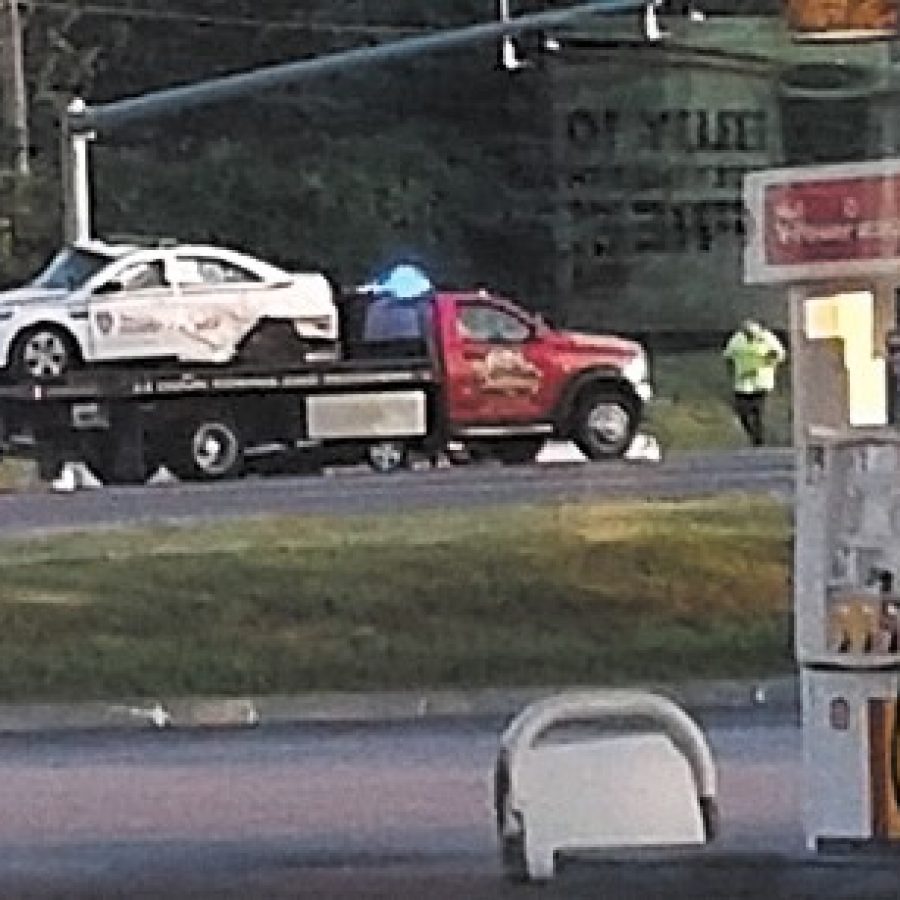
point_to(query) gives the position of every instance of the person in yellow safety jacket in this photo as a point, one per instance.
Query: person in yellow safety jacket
(753, 354)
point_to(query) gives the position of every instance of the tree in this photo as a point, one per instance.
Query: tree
(58, 65)
(412, 158)
(346, 205)
(12, 88)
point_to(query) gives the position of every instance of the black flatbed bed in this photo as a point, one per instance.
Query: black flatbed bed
(123, 420)
(123, 383)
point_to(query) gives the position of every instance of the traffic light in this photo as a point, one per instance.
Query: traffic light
(523, 50)
(652, 29)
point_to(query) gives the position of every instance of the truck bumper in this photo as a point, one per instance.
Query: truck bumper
(644, 390)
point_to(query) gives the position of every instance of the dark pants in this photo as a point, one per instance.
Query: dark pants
(750, 409)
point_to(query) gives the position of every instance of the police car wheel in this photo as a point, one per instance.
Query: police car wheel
(42, 353)
(271, 342)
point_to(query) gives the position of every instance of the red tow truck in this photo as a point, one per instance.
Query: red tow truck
(412, 376)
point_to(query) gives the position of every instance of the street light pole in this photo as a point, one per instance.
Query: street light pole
(76, 175)
(15, 106)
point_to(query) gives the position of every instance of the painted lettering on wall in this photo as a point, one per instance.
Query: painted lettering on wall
(668, 131)
(664, 181)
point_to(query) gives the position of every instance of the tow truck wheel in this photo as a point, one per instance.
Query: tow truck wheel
(516, 451)
(387, 456)
(604, 424)
(207, 450)
(42, 353)
(100, 457)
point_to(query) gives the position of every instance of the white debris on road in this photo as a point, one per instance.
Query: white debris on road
(74, 477)
(644, 448)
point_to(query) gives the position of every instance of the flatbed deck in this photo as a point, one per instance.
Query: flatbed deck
(124, 383)
(125, 421)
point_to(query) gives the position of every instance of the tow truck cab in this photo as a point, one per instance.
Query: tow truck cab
(463, 371)
(509, 378)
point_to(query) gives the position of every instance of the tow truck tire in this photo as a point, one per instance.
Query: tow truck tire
(207, 449)
(604, 424)
(101, 460)
(387, 456)
(516, 451)
(42, 353)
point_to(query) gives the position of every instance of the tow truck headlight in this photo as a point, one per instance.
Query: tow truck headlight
(636, 369)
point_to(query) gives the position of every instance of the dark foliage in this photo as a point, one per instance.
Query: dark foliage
(422, 159)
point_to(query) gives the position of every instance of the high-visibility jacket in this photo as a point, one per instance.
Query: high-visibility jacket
(754, 360)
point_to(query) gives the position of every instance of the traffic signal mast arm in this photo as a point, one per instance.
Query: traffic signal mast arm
(83, 123)
(230, 87)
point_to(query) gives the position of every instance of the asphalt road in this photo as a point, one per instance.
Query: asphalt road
(399, 811)
(346, 811)
(761, 471)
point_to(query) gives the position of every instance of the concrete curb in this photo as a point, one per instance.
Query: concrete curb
(772, 695)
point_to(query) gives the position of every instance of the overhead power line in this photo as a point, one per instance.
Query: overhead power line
(230, 87)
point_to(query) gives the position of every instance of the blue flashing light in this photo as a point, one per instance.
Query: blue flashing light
(404, 282)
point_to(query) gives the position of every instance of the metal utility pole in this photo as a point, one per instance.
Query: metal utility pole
(76, 176)
(12, 86)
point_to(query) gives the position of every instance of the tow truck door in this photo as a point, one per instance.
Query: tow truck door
(499, 368)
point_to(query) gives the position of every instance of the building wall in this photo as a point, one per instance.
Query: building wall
(650, 144)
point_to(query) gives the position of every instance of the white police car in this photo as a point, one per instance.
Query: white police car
(99, 302)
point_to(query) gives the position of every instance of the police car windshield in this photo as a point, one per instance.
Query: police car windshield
(70, 269)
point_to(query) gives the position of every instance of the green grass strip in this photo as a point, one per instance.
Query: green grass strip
(605, 593)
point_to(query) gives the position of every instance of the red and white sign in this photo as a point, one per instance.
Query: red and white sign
(823, 222)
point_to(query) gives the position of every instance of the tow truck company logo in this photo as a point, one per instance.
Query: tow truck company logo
(853, 219)
(506, 371)
(104, 322)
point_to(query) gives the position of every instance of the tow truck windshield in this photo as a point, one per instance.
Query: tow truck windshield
(70, 269)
